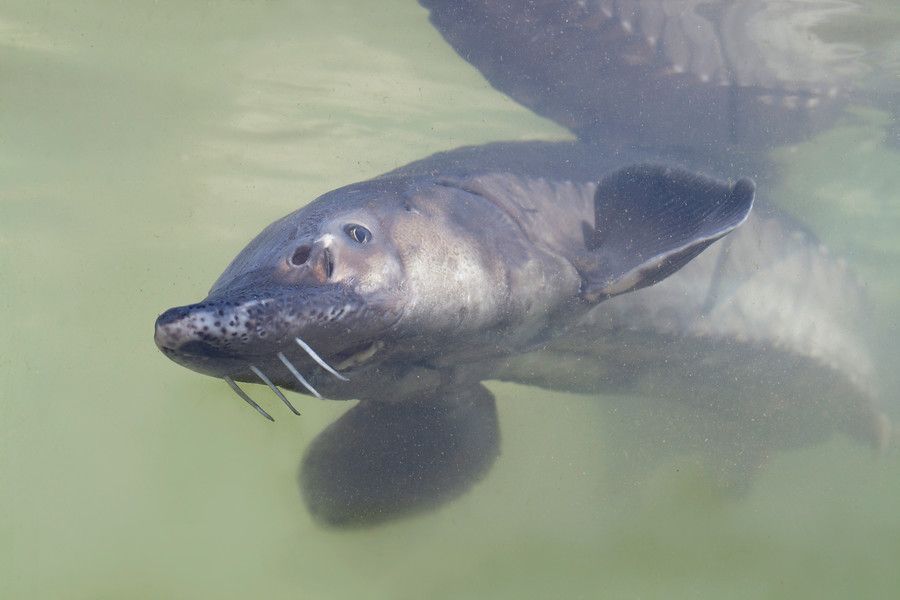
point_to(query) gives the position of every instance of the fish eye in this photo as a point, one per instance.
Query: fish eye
(358, 233)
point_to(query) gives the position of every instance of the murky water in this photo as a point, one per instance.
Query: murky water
(142, 146)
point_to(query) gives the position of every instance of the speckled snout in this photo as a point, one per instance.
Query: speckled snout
(229, 331)
(222, 327)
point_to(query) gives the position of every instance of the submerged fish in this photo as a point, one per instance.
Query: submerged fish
(409, 290)
(589, 266)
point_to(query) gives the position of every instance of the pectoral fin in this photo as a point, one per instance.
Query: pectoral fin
(649, 221)
(383, 460)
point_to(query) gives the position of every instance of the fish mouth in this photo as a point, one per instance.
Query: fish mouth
(232, 367)
(279, 337)
(345, 360)
(197, 349)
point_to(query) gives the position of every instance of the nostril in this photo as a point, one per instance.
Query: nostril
(301, 255)
(329, 263)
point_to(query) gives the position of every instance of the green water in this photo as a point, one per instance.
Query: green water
(141, 146)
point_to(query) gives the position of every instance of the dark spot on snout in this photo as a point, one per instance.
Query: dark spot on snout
(173, 315)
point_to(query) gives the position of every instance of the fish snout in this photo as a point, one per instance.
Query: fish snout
(171, 328)
(205, 327)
